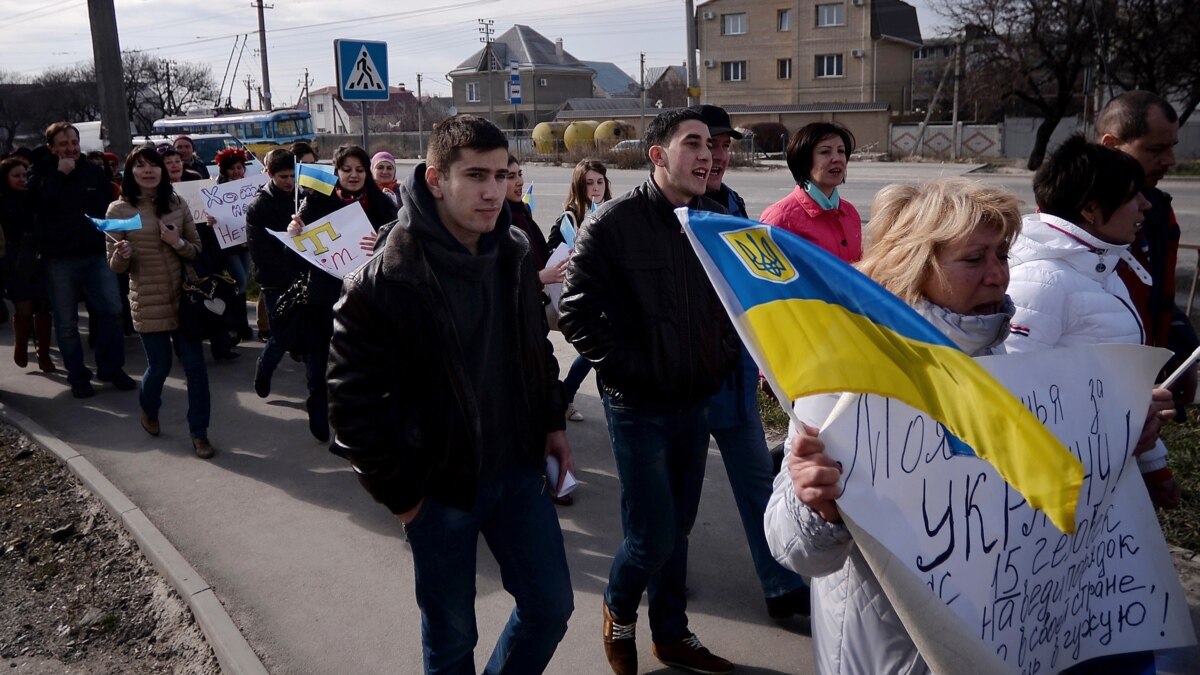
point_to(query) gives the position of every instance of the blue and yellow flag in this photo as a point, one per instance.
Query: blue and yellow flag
(118, 224)
(316, 177)
(817, 325)
(528, 197)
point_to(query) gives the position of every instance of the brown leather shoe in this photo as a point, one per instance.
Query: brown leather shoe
(150, 424)
(619, 646)
(689, 654)
(204, 449)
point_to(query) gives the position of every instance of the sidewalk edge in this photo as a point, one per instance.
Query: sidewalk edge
(233, 652)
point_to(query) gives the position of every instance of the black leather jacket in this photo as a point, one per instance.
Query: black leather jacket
(638, 305)
(400, 398)
(275, 266)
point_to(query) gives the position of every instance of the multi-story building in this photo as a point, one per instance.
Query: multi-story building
(332, 115)
(764, 52)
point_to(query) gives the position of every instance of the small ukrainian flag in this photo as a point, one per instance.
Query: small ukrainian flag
(528, 197)
(316, 177)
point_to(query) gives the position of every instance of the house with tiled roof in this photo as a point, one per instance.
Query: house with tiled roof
(610, 81)
(332, 115)
(548, 76)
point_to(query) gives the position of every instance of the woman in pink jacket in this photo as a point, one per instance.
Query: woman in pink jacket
(817, 157)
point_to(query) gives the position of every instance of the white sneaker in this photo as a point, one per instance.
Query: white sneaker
(573, 414)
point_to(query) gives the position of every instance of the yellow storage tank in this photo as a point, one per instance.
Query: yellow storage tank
(581, 135)
(612, 132)
(548, 137)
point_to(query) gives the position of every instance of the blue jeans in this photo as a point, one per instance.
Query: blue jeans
(237, 261)
(514, 514)
(575, 376)
(736, 424)
(74, 279)
(660, 460)
(316, 361)
(158, 366)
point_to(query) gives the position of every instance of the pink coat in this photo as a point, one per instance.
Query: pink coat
(838, 231)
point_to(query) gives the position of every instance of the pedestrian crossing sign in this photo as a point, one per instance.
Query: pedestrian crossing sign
(362, 68)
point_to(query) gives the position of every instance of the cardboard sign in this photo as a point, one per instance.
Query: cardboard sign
(333, 243)
(1038, 599)
(227, 203)
(189, 191)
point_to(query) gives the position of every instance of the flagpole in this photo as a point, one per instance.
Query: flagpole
(296, 188)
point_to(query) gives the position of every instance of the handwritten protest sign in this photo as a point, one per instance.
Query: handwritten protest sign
(190, 192)
(1039, 599)
(332, 243)
(227, 203)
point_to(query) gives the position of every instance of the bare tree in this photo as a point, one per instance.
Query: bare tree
(1152, 45)
(28, 105)
(1037, 53)
(156, 88)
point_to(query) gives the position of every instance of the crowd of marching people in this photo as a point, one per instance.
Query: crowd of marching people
(430, 371)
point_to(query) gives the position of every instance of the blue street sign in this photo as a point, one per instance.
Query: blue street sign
(362, 69)
(514, 83)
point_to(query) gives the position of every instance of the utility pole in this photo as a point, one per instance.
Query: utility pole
(420, 122)
(643, 88)
(170, 102)
(485, 29)
(693, 82)
(106, 50)
(262, 52)
(955, 132)
(304, 88)
(249, 93)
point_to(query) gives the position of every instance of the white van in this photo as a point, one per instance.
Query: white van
(207, 146)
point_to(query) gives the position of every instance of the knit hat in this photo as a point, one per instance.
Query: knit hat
(382, 157)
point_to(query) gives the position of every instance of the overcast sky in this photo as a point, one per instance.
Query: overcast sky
(430, 37)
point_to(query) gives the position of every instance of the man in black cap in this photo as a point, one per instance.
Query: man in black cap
(733, 417)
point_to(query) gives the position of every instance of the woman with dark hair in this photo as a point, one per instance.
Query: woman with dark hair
(23, 273)
(817, 157)
(176, 171)
(354, 184)
(154, 258)
(231, 165)
(589, 188)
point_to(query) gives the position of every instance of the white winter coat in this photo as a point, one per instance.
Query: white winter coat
(1065, 285)
(855, 630)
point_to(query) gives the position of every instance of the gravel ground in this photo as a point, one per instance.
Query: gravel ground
(76, 594)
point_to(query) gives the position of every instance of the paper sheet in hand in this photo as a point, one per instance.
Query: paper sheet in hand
(555, 290)
(332, 243)
(227, 203)
(191, 192)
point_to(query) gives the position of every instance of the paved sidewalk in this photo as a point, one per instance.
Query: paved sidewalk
(318, 576)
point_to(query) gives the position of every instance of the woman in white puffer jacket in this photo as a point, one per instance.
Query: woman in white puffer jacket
(943, 248)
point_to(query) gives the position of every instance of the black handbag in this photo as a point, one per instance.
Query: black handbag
(208, 305)
(290, 318)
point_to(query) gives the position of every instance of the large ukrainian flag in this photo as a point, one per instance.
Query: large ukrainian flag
(816, 325)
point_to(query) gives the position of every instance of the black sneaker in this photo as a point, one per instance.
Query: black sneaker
(790, 603)
(262, 381)
(119, 380)
(82, 389)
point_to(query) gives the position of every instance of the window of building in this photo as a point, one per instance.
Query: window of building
(829, 65)
(831, 15)
(733, 71)
(320, 107)
(733, 24)
(785, 20)
(784, 66)
(472, 92)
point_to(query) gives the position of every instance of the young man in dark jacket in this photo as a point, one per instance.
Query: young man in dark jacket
(275, 266)
(444, 396)
(638, 304)
(67, 190)
(734, 420)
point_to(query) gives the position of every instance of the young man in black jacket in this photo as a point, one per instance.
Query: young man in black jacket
(444, 396)
(67, 190)
(638, 304)
(275, 266)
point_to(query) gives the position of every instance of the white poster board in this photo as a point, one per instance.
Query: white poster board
(227, 203)
(557, 256)
(332, 243)
(1039, 599)
(190, 192)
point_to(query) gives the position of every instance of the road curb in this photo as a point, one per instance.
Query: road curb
(232, 650)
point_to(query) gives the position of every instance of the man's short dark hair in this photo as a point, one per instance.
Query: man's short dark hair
(804, 142)
(300, 149)
(1079, 172)
(57, 128)
(1124, 118)
(663, 126)
(280, 159)
(452, 136)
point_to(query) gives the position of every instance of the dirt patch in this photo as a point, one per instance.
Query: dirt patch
(76, 594)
